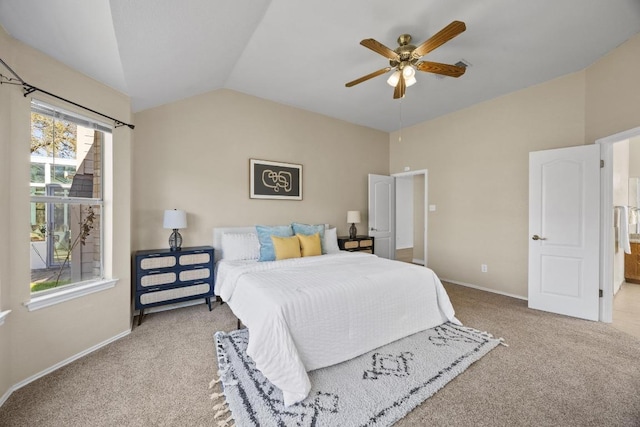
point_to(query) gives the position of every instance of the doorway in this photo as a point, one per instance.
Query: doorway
(411, 216)
(626, 251)
(609, 275)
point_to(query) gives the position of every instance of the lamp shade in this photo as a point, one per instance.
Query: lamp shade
(393, 79)
(353, 217)
(175, 219)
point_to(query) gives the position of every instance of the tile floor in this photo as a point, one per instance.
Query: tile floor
(626, 309)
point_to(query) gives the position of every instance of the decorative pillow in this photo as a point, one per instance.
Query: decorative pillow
(310, 245)
(308, 230)
(286, 247)
(331, 241)
(240, 246)
(266, 244)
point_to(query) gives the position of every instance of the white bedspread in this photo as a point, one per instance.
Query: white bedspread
(309, 313)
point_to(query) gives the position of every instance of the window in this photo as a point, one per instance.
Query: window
(66, 198)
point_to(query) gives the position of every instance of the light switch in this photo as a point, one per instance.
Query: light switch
(432, 208)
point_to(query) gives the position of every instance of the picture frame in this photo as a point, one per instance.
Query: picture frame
(275, 180)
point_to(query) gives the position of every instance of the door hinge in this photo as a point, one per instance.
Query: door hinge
(600, 293)
(601, 163)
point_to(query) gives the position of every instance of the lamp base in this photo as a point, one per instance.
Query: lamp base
(175, 240)
(353, 231)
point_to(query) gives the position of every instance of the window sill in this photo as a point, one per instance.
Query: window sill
(3, 314)
(54, 298)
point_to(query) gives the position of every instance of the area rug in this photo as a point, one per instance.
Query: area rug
(375, 389)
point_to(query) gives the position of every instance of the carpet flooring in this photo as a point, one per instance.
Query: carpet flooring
(557, 371)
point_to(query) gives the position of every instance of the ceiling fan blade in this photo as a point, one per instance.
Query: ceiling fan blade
(378, 47)
(438, 39)
(367, 77)
(398, 92)
(438, 68)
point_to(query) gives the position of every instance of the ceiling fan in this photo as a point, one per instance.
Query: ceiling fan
(405, 59)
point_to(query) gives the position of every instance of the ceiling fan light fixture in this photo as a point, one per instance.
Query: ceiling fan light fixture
(410, 81)
(408, 72)
(394, 78)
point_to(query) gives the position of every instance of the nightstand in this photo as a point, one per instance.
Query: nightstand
(163, 276)
(359, 244)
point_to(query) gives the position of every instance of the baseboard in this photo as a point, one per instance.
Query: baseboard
(6, 396)
(61, 364)
(480, 288)
(417, 261)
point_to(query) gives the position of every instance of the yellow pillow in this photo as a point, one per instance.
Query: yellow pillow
(286, 247)
(310, 245)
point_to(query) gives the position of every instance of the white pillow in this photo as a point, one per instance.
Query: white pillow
(240, 246)
(331, 241)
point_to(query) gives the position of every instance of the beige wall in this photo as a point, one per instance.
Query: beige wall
(634, 157)
(478, 164)
(31, 342)
(5, 177)
(418, 216)
(194, 155)
(613, 92)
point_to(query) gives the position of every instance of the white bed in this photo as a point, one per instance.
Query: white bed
(308, 313)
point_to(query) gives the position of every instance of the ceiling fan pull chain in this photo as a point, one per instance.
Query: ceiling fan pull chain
(400, 135)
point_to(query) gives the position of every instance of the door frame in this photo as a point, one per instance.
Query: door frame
(606, 220)
(424, 172)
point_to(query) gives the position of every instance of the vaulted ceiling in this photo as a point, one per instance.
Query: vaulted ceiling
(302, 52)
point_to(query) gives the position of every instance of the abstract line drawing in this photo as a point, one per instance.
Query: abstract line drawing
(275, 180)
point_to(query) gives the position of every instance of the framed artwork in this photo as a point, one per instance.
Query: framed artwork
(275, 180)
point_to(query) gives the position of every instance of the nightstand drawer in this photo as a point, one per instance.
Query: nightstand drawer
(351, 245)
(174, 294)
(357, 244)
(158, 279)
(196, 258)
(158, 261)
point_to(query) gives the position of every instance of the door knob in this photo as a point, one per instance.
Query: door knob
(536, 237)
(373, 229)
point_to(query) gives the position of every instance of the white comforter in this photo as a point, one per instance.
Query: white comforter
(308, 313)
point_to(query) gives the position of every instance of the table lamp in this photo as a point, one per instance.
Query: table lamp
(175, 219)
(354, 218)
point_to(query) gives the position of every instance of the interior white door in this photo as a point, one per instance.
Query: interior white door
(564, 231)
(382, 214)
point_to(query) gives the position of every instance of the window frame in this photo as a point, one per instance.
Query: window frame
(52, 296)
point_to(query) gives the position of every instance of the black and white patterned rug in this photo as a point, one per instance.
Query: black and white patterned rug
(375, 389)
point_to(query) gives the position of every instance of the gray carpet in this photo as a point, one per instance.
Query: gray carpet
(374, 389)
(557, 371)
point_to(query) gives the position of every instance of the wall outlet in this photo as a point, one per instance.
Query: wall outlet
(483, 268)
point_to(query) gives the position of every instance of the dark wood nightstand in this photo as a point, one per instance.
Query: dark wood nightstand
(359, 244)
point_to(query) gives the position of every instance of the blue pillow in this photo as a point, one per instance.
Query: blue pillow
(267, 252)
(310, 230)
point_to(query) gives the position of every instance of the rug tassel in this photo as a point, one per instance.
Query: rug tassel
(225, 423)
(220, 413)
(502, 342)
(219, 406)
(215, 380)
(216, 396)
